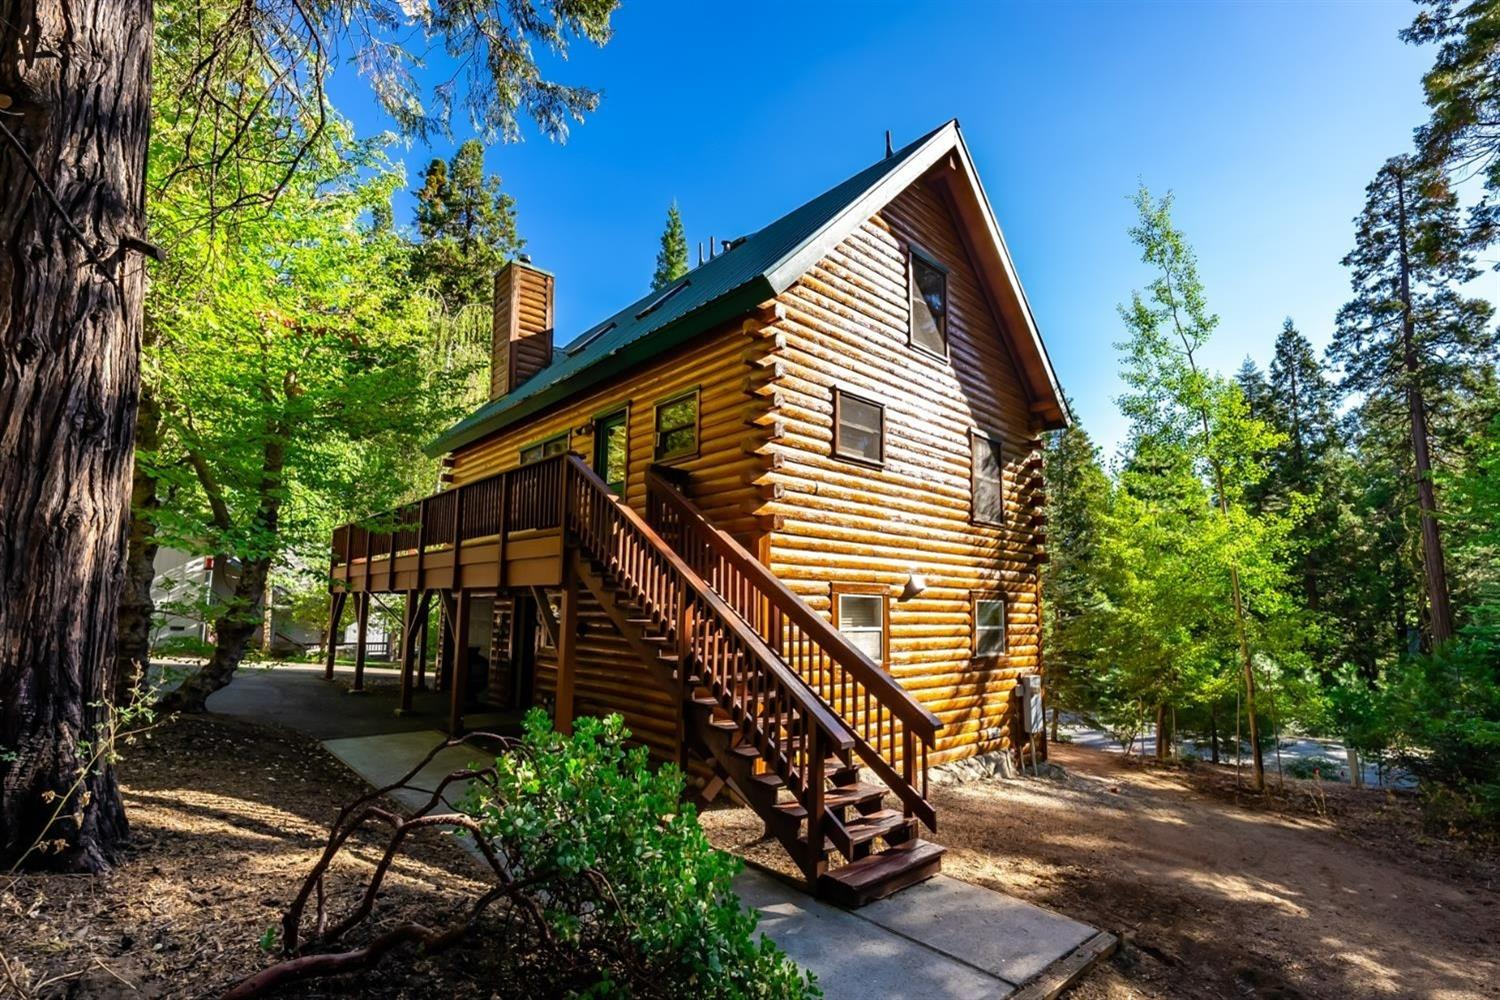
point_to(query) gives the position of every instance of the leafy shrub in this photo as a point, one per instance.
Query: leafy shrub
(1306, 767)
(570, 810)
(1443, 712)
(188, 647)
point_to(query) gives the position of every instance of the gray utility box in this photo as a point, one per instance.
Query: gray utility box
(1029, 689)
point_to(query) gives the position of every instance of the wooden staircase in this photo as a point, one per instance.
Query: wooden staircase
(808, 731)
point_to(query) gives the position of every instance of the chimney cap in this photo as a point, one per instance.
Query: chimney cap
(524, 258)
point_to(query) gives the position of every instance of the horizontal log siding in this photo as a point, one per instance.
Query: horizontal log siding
(845, 325)
(723, 365)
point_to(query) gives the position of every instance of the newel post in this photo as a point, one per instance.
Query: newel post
(816, 754)
(684, 685)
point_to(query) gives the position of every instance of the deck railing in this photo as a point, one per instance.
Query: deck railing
(522, 499)
(893, 732)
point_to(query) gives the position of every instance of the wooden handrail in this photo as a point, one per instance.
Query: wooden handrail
(891, 694)
(834, 728)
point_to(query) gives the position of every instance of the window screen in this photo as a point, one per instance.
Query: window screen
(989, 502)
(862, 620)
(989, 626)
(860, 432)
(677, 426)
(929, 305)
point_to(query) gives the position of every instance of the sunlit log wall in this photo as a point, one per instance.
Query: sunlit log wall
(765, 472)
(838, 523)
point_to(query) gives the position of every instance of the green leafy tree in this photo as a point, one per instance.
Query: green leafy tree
(295, 377)
(1409, 337)
(468, 228)
(249, 61)
(1188, 424)
(672, 258)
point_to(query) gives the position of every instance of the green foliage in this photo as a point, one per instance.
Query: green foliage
(468, 228)
(568, 808)
(672, 258)
(1442, 713)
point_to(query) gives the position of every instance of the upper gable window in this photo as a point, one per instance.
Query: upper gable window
(929, 304)
(858, 428)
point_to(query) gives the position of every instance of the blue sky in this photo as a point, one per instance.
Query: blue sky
(1266, 120)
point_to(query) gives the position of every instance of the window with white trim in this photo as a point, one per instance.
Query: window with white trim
(861, 617)
(989, 626)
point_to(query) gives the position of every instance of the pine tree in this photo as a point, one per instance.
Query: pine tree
(1078, 493)
(467, 225)
(1409, 337)
(672, 258)
(1255, 389)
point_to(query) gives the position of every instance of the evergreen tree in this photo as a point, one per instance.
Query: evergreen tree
(1078, 495)
(467, 225)
(1256, 390)
(672, 258)
(1409, 337)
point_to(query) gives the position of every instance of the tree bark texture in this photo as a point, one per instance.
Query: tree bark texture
(75, 76)
(1439, 606)
(234, 627)
(133, 644)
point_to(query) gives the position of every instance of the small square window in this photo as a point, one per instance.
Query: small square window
(861, 617)
(858, 428)
(677, 426)
(989, 626)
(929, 305)
(987, 471)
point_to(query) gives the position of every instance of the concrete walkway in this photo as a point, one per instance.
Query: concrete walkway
(940, 940)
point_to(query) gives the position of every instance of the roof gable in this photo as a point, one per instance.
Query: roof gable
(764, 265)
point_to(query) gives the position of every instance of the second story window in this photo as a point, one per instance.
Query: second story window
(677, 426)
(929, 304)
(544, 449)
(986, 472)
(858, 428)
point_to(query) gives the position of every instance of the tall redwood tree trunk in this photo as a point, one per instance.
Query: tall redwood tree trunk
(1439, 606)
(75, 79)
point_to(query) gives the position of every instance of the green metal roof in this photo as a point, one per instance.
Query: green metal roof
(729, 285)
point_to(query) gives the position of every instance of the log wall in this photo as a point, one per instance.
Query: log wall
(724, 366)
(846, 525)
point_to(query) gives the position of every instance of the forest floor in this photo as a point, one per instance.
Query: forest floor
(1320, 891)
(226, 819)
(1323, 891)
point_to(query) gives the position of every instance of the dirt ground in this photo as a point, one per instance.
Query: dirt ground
(226, 818)
(1322, 892)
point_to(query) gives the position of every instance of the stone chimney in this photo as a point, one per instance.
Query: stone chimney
(521, 335)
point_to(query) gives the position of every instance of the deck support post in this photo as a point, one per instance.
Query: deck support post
(335, 613)
(458, 681)
(567, 651)
(415, 600)
(425, 618)
(444, 676)
(362, 610)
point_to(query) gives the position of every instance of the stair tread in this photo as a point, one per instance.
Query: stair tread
(863, 829)
(835, 798)
(887, 868)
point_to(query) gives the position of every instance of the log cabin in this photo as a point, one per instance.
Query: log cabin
(785, 515)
